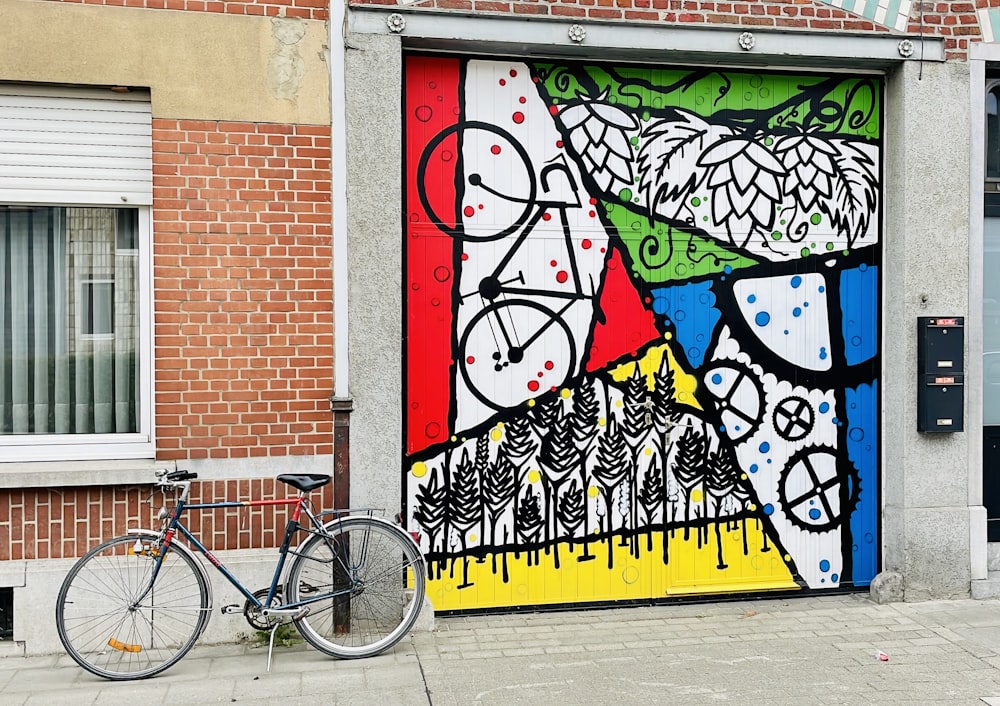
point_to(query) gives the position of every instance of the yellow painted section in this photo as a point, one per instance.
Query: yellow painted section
(691, 570)
(685, 384)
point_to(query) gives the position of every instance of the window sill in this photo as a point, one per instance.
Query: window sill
(56, 474)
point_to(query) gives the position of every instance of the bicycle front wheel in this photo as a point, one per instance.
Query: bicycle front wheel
(116, 625)
(363, 582)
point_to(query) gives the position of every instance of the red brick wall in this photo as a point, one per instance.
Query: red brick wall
(242, 280)
(65, 523)
(304, 9)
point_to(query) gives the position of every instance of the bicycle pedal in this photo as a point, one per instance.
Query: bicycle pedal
(231, 609)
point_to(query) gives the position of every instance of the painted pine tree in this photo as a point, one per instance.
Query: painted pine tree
(557, 457)
(528, 523)
(499, 487)
(689, 469)
(610, 468)
(719, 483)
(464, 509)
(432, 506)
(585, 423)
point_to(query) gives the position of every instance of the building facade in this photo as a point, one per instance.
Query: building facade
(622, 301)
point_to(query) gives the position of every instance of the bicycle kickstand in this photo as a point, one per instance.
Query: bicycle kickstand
(270, 644)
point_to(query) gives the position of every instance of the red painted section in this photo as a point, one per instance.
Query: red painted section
(431, 105)
(629, 325)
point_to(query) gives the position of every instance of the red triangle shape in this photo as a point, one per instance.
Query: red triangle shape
(627, 324)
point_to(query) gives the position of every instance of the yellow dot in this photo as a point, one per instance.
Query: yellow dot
(534, 476)
(472, 537)
(787, 557)
(592, 491)
(753, 508)
(496, 435)
(696, 496)
(668, 335)
(648, 451)
(419, 469)
(743, 476)
(564, 393)
(454, 438)
(531, 403)
(618, 403)
(601, 422)
(500, 425)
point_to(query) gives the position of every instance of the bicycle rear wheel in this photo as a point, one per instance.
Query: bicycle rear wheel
(103, 627)
(375, 577)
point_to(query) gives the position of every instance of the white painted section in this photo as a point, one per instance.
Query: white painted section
(985, 25)
(75, 146)
(338, 180)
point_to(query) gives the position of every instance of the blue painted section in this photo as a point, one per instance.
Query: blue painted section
(692, 311)
(859, 305)
(862, 450)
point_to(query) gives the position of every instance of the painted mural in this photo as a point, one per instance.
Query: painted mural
(641, 340)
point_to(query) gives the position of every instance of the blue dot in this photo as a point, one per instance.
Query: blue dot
(752, 298)
(855, 340)
(796, 282)
(856, 434)
(822, 289)
(753, 468)
(805, 304)
(814, 514)
(700, 337)
(796, 312)
(704, 298)
(661, 305)
(694, 353)
(822, 353)
(835, 577)
(769, 509)
(824, 565)
(824, 407)
(769, 460)
(764, 447)
(862, 267)
(680, 315)
(722, 427)
(737, 428)
(786, 332)
(716, 379)
(727, 269)
(762, 318)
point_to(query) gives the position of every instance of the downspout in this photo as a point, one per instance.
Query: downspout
(341, 403)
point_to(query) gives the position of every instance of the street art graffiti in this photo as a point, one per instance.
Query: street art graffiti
(641, 343)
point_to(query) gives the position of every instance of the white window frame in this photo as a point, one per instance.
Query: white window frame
(138, 445)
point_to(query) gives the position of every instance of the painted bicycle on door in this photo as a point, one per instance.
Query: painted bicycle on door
(642, 325)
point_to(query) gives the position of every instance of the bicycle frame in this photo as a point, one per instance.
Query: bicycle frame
(301, 503)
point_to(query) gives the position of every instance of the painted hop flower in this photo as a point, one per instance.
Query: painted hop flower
(810, 163)
(744, 179)
(598, 132)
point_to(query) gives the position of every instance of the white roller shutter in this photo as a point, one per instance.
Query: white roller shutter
(75, 146)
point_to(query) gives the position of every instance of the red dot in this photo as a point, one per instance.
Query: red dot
(546, 216)
(549, 365)
(503, 82)
(593, 214)
(480, 207)
(559, 144)
(541, 374)
(561, 276)
(522, 99)
(593, 201)
(533, 385)
(552, 389)
(553, 109)
(518, 117)
(513, 73)
(603, 250)
(471, 359)
(465, 256)
(586, 244)
(552, 263)
(469, 211)
(495, 149)
(535, 79)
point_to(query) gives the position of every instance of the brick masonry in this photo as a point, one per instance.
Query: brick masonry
(303, 9)
(65, 523)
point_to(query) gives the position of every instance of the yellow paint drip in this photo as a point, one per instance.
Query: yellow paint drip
(690, 570)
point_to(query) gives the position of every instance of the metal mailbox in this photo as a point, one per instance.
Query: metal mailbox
(941, 373)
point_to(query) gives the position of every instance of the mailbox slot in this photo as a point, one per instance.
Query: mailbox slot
(941, 374)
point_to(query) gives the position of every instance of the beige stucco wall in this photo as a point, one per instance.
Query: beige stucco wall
(198, 65)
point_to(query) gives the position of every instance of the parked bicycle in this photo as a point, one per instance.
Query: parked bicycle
(136, 604)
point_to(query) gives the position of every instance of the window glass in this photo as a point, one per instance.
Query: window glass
(991, 321)
(68, 320)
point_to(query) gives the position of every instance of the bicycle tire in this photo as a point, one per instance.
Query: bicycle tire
(459, 131)
(376, 565)
(101, 629)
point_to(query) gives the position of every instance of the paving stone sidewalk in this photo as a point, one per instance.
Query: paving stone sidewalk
(774, 652)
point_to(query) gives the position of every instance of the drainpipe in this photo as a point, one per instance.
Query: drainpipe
(341, 403)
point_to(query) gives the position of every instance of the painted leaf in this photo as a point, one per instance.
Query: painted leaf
(668, 162)
(855, 189)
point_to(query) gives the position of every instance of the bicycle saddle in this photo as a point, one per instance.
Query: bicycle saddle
(304, 481)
